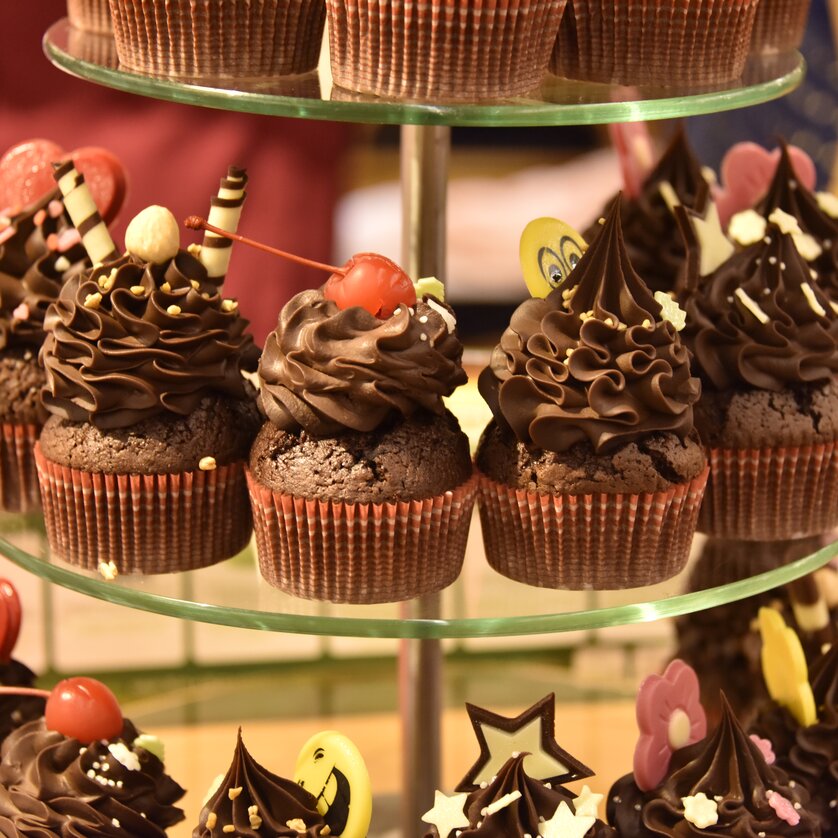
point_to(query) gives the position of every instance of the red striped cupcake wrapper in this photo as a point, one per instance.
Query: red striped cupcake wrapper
(218, 38)
(90, 15)
(446, 49)
(769, 494)
(18, 478)
(598, 541)
(361, 552)
(144, 523)
(779, 25)
(665, 43)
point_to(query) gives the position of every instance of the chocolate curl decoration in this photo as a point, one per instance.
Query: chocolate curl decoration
(84, 213)
(225, 212)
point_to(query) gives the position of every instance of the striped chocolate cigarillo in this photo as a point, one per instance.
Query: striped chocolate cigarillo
(84, 213)
(225, 211)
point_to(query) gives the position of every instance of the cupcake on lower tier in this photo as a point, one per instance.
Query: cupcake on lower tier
(592, 474)
(142, 461)
(361, 480)
(450, 49)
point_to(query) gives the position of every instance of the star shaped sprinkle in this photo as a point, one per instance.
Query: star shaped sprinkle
(587, 803)
(447, 813)
(671, 311)
(700, 811)
(533, 733)
(564, 824)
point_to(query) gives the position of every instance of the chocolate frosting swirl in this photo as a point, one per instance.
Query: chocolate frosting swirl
(325, 370)
(593, 361)
(725, 332)
(654, 245)
(50, 785)
(31, 273)
(129, 355)
(264, 805)
(727, 765)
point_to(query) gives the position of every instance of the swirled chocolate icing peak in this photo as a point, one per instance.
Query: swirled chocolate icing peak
(325, 370)
(760, 319)
(131, 340)
(258, 803)
(823, 676)
(593, 362)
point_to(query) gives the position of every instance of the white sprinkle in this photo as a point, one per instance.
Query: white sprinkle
(62, 263)
(397, 311)
(782, 266)
(97, 765)
(124, 756)
(792, 184)
(766, 292)
(115, 822)
(447, 316)
(423, 318)
(119, 784)
(423, 336)
(637, 807)
(767, 240)
(105, 766)
(772, 260)
(718, 798)
(751, 305)
(501, 803)
(111, 782)
(814, 303)
(796, 805)
(792, 784)
(516, 754)
(27, 356)
(82, 751)
(813, 273)
(91, 773)
(484, 785)
(412, 312)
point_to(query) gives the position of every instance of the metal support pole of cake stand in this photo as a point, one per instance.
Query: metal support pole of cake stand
(424, 176)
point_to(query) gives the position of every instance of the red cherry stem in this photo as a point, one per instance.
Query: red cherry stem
(25, 691)
(195, 222)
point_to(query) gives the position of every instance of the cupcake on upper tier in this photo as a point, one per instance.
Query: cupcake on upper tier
(591, 472)
(141, 462)
(763, 336)
(360, 479)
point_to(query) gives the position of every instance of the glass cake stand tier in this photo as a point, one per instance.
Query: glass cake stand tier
(557, 102)
(480, 604)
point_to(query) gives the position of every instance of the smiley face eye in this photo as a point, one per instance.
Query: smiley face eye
(550, 265)
(571, 253)
(319, 754)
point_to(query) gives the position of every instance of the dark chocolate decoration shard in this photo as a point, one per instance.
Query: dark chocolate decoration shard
(531, 732)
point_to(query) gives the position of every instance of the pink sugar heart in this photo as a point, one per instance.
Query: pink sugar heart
(746, 174)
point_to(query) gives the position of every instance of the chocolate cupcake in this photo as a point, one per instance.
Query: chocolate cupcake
(763, 336)
(360, 480)
(90, 16)
(141, 462)
(591, 471)
(650, 231)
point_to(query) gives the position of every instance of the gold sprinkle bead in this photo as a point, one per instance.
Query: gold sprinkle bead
(205, 295)
(137, 290)
(228, 828)
(209, 464)
(646, 324)
(108, 571)
(234, 792)
(253, 810)
(229, 305)
(212, 819)
(327, 830)
(255, 821)
(569, 352)
(93, 300)
(195, 284)
(194, 249)
(166, 287)
(173, 310)
(296, 823)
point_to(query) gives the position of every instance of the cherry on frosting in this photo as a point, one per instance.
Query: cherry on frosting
(10, 617)
(372, 282)
(84, 709)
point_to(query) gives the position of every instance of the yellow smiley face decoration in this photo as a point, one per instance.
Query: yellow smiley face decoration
(332, 769)
(549, 251)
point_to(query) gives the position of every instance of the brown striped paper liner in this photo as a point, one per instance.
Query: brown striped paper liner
(144, 523)
(221, 38)
(18, 478)
(766, 494)
(361, 552)
(779, 25)
(665, 43)
(599, 541)
(90, 15)
(451, 49)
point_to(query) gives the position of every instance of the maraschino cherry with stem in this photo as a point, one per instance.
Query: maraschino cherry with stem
(368, 280)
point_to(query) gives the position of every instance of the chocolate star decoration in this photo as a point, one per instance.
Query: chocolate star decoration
(533, 732)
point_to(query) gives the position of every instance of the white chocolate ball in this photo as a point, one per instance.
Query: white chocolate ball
(153, 235)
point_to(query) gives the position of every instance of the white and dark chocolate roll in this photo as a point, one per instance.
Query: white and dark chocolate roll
(225, 212)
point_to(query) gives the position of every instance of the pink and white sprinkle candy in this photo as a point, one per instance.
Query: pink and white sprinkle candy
(765, 748)
(784, 808)
(68, 239)
(21, 312)
(55, 208)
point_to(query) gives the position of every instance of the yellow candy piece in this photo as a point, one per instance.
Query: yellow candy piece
(784, 667)
(333, 770)
(549, 251)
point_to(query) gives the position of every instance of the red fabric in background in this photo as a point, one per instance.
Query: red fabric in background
(174, 155)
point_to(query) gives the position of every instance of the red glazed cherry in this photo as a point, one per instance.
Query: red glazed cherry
(372, 282)
(83, 709)
(10, 616)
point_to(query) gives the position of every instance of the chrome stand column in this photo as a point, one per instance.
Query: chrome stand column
(424, 176)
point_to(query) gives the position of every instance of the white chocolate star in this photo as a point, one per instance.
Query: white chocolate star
(564, 824)
(671, 311)
(828, 203)
(700, 811)
(715, 246)
(587, 803)
(787, 223)
(447, 813)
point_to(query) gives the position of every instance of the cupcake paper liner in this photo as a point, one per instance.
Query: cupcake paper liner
(18, 477)
(598, 541)
(92, 47)
(766, 494)
(144, 523)
(779, 25)
(442, 48)
(197, 38)
(361, 552)
(90, 15)
(665, 43)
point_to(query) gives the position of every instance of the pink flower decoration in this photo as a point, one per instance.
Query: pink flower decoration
(784, 808)
(765, 748)
(670, 716)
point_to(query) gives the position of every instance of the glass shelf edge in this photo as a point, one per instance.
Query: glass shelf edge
(423, 628)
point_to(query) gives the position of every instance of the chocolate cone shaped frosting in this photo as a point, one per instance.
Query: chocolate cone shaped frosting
(593, 361)
(729, 768)
(258, 803)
